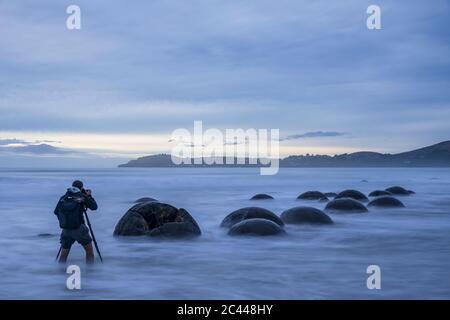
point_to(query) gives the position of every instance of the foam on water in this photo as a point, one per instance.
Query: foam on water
(411, 245)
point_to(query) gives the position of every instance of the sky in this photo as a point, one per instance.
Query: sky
(136, 71)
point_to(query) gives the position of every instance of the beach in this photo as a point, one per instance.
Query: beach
(411, 245)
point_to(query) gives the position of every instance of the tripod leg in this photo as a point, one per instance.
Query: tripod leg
(57, 255)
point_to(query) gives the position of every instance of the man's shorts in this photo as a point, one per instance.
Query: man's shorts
(80, 235)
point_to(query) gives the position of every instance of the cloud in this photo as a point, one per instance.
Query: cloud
(46, 141)
(313, 134)
(6, 142)
(38, 149)
(14, 141)
(288, 65)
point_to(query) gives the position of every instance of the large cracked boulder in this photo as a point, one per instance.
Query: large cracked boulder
(261, 196)
(305, 215)
(399, 191)
(386, 202)
(256, 227)
(354, 194)
(157, 219)
(250, 213)
(346, 205)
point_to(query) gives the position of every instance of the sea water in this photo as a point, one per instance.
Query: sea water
(410, 245)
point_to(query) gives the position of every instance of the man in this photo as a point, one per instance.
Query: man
(70, 212)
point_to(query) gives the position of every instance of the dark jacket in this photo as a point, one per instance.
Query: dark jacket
(87, 201)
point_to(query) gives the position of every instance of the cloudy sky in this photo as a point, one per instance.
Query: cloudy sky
(137, 70)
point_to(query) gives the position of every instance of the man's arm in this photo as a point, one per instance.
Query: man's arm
(56, 211)
(90, 202)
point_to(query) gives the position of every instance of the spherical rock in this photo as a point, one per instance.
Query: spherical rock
(386, 202)
(157, 219)
(399, 191)
(305, 215)
(145, 199)
(311, 195)
(46, 235)
(256, 227)
(261, 196)
(346, 205)
(250, 213)
(354, 194)
(379, 193)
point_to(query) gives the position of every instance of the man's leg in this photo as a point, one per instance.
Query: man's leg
(63, 256)
(89, 253)
(66, 243)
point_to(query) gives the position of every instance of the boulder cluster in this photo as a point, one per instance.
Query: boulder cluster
(149, 217)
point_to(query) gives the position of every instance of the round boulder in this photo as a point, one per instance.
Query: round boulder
(256, 227)
(386, 202)
(305, 215)
(346, 205)
(46, 235)
(354, 194)
(379, 193)
(250, 213)
(145, 199)
(261, 196)
(399, 191)
(157, 219)
(311, 195)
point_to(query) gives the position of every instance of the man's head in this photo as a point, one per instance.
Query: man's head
(78, 184)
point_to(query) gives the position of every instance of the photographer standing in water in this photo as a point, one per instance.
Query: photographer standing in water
(70, 210)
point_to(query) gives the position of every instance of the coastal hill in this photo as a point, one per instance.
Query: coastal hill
(437, 155)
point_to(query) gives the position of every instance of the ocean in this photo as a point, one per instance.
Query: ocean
(410, 245)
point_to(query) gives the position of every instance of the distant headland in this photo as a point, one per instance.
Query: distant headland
(437, 155)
